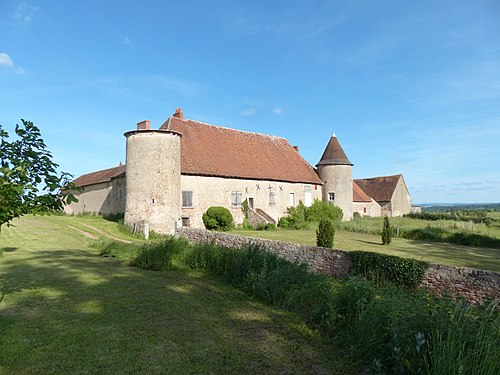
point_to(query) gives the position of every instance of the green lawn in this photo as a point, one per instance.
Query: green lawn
(434, 252)
(66, 310)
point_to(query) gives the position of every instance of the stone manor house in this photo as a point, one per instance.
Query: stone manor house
(175, 173)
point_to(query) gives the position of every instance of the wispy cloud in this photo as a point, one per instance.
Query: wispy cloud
(126, 40)
(5, 60)
(278, 110)
(25, 12)
(248, 112)
(407, 98)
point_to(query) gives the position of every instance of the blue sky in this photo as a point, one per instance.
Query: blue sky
(408, 87)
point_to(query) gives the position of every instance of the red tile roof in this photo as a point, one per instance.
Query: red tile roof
(211, 150)
(380, 188)
(100, 176)
(358, 195)
(334, 154)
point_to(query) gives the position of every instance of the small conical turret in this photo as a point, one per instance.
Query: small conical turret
(335, 170)
(334, 154)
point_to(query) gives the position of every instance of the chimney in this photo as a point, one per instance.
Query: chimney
(179, 114)
(143, 125)
(296, 148)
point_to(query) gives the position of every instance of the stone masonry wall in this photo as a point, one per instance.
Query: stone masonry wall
(476, 286)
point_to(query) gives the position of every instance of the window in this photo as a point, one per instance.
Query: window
(331, 197)
(187, 199)
(272, 198)
(185, 222)
(307, 195)
(364, 210)
(236, 198)
(292, 200)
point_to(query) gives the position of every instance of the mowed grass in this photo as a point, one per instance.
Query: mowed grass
(67, 310)
(433, 252)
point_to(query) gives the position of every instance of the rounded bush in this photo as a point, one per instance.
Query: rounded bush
(218, 218)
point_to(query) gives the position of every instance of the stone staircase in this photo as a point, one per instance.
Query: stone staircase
(259, 216)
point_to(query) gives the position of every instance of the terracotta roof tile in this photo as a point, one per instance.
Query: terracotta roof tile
(217, 151)
(100, 176)
(358, 195)
(380, 188)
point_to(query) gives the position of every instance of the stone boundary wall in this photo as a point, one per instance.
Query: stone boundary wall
(476, 286)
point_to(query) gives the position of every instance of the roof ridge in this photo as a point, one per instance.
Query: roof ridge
(228, 128)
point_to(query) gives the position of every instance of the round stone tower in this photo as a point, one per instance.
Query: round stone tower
(335, 170)
(153, 180)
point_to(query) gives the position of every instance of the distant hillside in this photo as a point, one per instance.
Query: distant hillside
(439, 207)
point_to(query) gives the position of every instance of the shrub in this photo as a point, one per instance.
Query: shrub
(245, 208)
(266, 226)
(218, 218)
(325, 233)
(382, 268)
(295, 219)
(115, 249)
(158, 256)
(324, 210)
(386, 232)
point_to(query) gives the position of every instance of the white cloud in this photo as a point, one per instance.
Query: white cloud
(25, 12)
(5, 60)
(248, 112)
(126, 40)
(278, 110)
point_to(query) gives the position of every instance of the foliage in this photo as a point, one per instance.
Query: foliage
(299, 217)
(245, 208)
(456, 232)
(95, 314)
(409, 331)
(114, 249)
(218, 218)
(158, 256)
(386, 232)
(324, 210)
(459, 238)
(458, 215)
(295, 219)
(382, 268)
(266, 226)
(464, 342)
(325, 233)
(29, 181)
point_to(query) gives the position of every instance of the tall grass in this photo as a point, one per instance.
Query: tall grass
(390, 330)
(457, 232)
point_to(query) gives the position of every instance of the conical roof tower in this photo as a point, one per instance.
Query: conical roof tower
(335, 170)
(334, 154)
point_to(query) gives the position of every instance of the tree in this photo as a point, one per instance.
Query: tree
(325, 233)
(386, 232)
(29, 180)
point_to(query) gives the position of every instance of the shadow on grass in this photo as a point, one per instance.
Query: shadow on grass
(7, 249)
(69, 311)
(369, 242)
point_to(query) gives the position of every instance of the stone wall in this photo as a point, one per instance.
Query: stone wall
(319, 259)
(476, 286)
